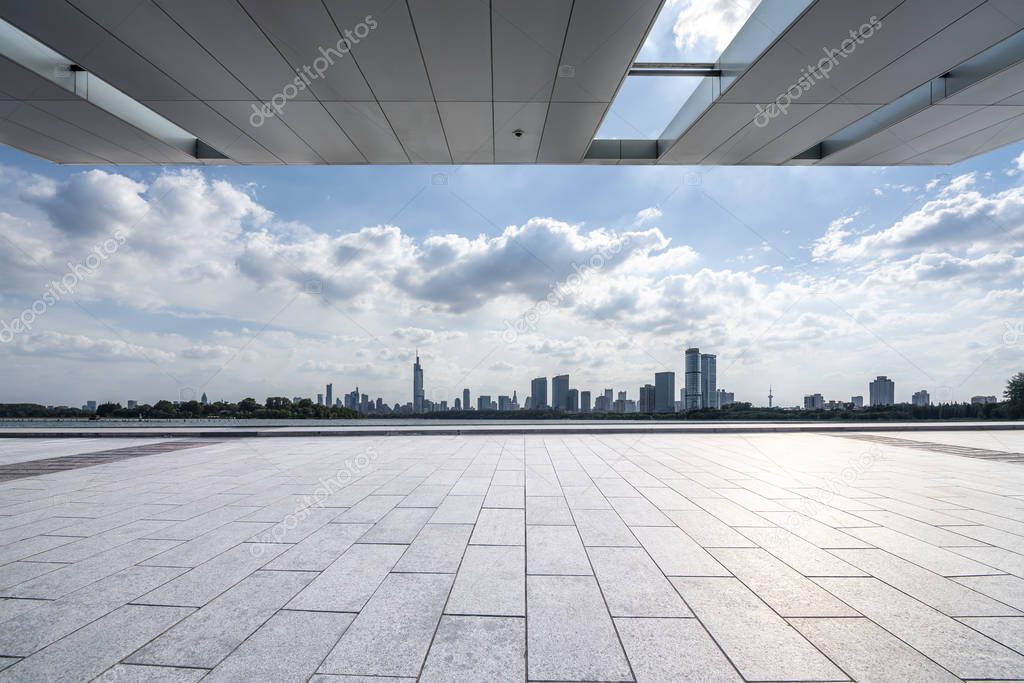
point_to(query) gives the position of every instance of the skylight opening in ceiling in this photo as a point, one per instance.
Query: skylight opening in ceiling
(645, 105)
(695, 30)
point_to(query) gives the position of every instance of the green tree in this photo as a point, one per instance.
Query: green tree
(248, 405)
(107, 409)
(1015, 390)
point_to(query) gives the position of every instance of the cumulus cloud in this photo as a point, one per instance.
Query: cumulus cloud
(710, 22)
(81, 347)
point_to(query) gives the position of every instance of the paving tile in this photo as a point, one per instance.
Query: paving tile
(555, 550)
(193, 553)
(94, 648)
(940, 536)
(491, 581)
(425, 496)
(570, 636)
(666, 499)
(437, 549)
(137, 673)
(958, 648)
(505, 496)
(210, 634)
(499, 527)
(348, 583)
(398, 526)
(69, 578)
(318, 550)
(802, 556)
(663, 650)
(784, 589)
(731, 513)
(930, 588)
(458, 510)
(198, 586)
(939, 560)
(297, 525)
(676, 553)
(585, 498)
(17, 572)
(1006, 589)
(391, 635)
(633, 586)
(1006, 630)
(477, 648)
(756, 639)
(639, 512)
(548, 510)
(988, 558)
(287, 648)
(603, 527)
(814, 531)
(869, 653)
(370, 509)
(707, 530)
(49, 621)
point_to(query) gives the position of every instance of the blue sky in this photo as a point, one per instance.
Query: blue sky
(265, 281)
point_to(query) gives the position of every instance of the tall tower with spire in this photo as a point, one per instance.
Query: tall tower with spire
(770, 396)
(417, 385)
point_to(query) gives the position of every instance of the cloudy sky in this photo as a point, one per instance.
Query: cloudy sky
(252, 281)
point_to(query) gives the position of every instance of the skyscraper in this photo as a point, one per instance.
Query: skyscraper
(465, 400)
(330, 394)
(921, 398)
(205, 401)
(691, 366)
(483, 402)
(725, 398)
(560, 392)
(882, 391)
(319, 399)
(647, 398)
(572, 401)
(708, 380)
(608, 399)
(814, 402)
(584, 401)
(539, 393)
(417, 386)
(458, 404)
(664, 392)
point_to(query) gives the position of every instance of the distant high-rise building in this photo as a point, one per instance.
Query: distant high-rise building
(515, 400)
(417, 386)
(814, 402)
(770, 396)
(330, 394)
(559, 392)
(882, 391)
(708, 380)
(539, 393)
(483, 402)
(921, 398)
(664, 392)
(458, 404)
(504, 403)
(648, 395)
(608, 399)
(132, 405)
(319, 399)
(584, 401)
(465, 400)
(622, 396)
(203, 400)
(857, 402)
(601, 404)
(982, 400)
(572, 402)
(725, 398)
(691, 367)
(90, 406)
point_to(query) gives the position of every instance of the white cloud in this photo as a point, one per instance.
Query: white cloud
(81, 347)
(713, 22)
(647, 215)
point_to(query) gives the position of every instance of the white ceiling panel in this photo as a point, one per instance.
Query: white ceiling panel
(57, 128)
(80, 39)
(995, 88)
(986, 140)
(314, 125)
(753, 137)
(602, 39)
(305, 34)
(272, 133)
(89, 117)
(224, 29)
(28, 140)
(569, 130)
(468, 126)
(419, 130)
(509, 117)
(455, 37)
(19, 83)
(960, 127)
(202, 121)
(812, 130)
(528, 37)
(370, 131)
(710, 131)
(389, 56)
(148, 30)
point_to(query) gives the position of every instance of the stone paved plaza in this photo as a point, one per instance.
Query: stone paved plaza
(591, 557)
